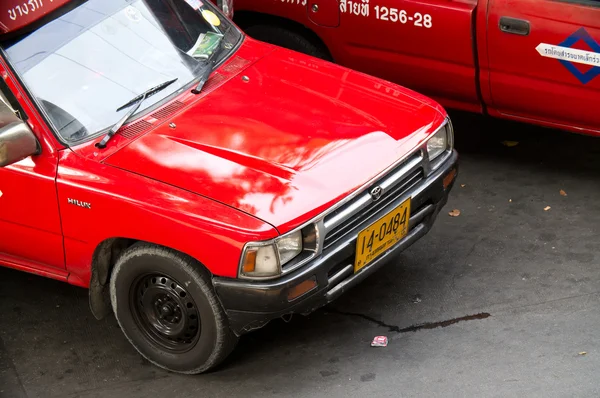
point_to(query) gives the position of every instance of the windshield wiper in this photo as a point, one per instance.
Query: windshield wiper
(137, 101)
(210, 66)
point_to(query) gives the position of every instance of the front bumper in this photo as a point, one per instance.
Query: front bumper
(250, 305)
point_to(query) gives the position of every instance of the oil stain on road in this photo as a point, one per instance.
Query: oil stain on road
(414, 328)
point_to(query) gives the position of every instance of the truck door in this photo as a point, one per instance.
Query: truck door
(544, 60)
(425, 45)
(30, 229)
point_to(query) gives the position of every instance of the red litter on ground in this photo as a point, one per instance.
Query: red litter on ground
(379, 341)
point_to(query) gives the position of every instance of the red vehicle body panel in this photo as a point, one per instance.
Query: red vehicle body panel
(178, 176)
(25, 218)
(279, 168)
(394, 51)
(526, 85)
(327, 14)
(461, 57)
(131, 206)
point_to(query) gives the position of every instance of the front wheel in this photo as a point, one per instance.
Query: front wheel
(167, 309)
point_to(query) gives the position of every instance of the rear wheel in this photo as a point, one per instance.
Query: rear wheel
(288, 39)
(167, 309)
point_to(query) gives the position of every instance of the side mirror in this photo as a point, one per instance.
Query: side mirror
(17, 141)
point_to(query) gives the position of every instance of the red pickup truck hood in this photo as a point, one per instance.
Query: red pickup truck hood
(285, 139)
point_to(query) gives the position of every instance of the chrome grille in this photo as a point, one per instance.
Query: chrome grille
(394, 184)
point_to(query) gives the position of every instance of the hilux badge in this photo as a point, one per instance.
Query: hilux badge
(376, 193)
(76, 202)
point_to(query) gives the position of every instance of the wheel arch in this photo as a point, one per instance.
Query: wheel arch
(104, 258)
(245, 19)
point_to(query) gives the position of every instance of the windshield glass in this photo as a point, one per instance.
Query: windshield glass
(86, 63)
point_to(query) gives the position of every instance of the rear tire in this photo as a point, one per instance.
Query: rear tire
(166, 306)
(288, 39)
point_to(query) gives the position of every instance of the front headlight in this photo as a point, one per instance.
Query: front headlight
(438, 143)
(289, 246)
(265, 259)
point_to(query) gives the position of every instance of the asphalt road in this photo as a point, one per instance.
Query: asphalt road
(526, 279)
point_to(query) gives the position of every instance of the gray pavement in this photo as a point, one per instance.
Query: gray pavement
(535, 272)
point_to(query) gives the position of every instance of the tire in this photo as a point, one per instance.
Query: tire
(165, 304)
(288, 39)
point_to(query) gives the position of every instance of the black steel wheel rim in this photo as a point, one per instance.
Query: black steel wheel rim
(165, 312)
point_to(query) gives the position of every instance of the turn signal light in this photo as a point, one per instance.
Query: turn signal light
(449, 178)
(302, 288)
(249, 262)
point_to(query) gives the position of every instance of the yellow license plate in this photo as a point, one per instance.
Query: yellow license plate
(384, 233)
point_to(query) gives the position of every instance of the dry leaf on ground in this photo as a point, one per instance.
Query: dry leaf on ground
(454, 213)
(510, 143)
(547, 208)
(582, 353)
(463, 185)
(562, 193)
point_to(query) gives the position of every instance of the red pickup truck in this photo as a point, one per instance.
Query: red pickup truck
(198, 182)
(536, 61)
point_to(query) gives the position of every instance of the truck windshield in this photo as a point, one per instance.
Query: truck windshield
(88, 61)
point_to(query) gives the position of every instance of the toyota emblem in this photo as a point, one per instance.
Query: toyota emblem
(376, 193)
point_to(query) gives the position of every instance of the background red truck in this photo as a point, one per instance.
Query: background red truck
(536, 61)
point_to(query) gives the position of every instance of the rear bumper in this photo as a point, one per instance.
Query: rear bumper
(251, 304)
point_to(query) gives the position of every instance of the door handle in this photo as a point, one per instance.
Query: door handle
(514, 26)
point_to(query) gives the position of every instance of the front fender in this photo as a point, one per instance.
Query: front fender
(130, 206)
